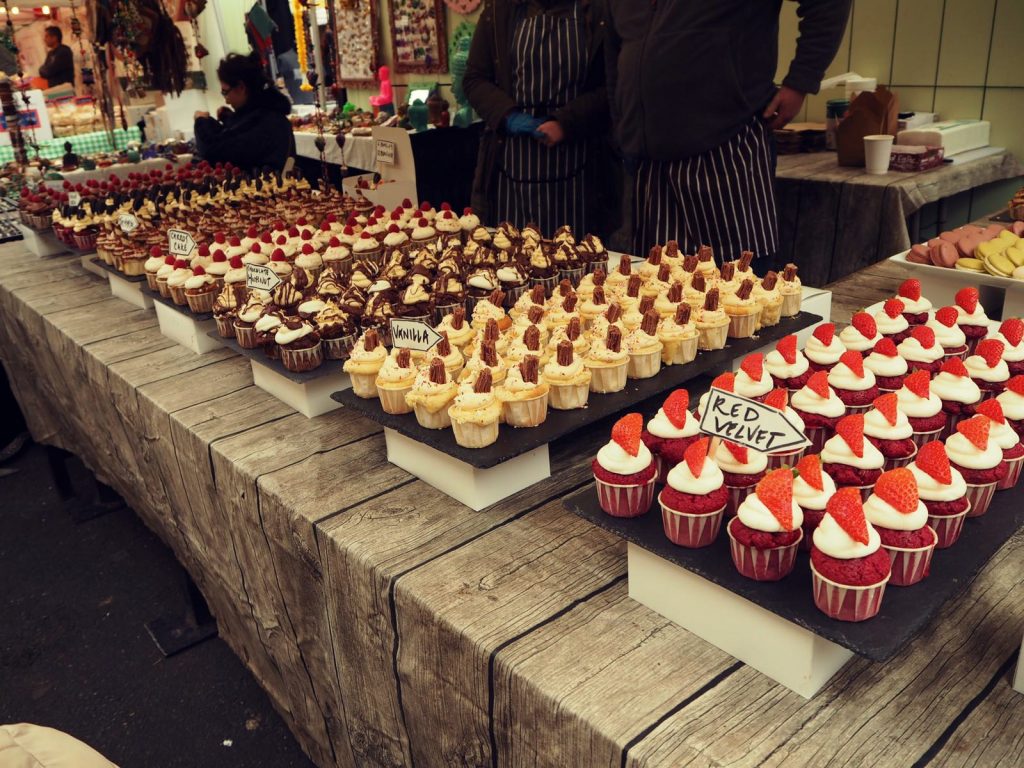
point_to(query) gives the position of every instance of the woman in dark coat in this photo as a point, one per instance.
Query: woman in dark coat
(535, 75)
(253, 131)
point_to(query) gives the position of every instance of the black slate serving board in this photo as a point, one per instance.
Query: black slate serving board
(328, 368)
(515, 442)
(129, 278)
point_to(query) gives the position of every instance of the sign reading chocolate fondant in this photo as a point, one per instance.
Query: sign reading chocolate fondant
(749, 423)
(385, 151)
(260, 278)
(74, 199)
(127, 222)
(179, 242)
(413, 334)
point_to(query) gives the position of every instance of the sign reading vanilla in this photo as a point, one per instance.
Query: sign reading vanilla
(749, 423)
(413, 334)
(260, 278)
(179, 242)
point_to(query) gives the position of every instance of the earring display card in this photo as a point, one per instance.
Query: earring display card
(419, 36)
(357, 42)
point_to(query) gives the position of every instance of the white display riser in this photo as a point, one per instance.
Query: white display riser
(476, 488)
(788, 654)
(1002, 297)
(90, 266)
(186, 330)
(310, 398)
(129, 291)
(41, 244)
(1018, 678)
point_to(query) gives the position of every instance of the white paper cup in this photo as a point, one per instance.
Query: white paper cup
(877, 149)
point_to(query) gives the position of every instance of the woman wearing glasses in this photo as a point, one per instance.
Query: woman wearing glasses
(253, 131)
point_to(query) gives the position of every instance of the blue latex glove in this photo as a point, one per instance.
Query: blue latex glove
(521, 124)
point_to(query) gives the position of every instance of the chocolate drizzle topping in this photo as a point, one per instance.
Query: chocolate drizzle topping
(438, 375)
(614, 339)
(565, 353)
(482, 385)
(530, 368)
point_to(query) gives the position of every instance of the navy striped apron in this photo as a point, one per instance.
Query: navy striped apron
(539, 184)
(724, 198)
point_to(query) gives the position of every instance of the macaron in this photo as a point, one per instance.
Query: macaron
(970, 265)
(999, 265)
(943, 255)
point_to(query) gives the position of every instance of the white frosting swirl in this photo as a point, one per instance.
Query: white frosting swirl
(880, 512)
(1013, 404)
(947, 337)
(808, 401)
(837, 451)
(795, 418)
(821, 354)
(1011, 354)
(853, 339)
(1003, 435)
(965, 453)
(915, 306)
(832, 540)
(955, 389)
(776, 365)
(753, 513)
(681, 479)
(756, 461)
(889, 326)
(917, 407)
(842, 377)
(877, 426)
(883, 365)
(808, 497)
(978, 369)
(613, 458)
(911, 349)
(930, 489)
(753, 388)
(660, 426)
(977, 317)
(286, 335)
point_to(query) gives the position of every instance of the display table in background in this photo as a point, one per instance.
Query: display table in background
(391, 625)
(83, 144)
(121, 170)
(834, 221)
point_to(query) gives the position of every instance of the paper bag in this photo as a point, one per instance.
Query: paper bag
(869, 114)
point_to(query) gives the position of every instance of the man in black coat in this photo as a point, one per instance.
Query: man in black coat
(59, 66)
(694, 105)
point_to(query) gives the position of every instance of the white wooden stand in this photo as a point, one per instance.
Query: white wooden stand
(310, 398)
(41, 244)
(186, 330)
(129, 291)
(476, 488)
(1018, 678)
(788, 654)
(90, 266)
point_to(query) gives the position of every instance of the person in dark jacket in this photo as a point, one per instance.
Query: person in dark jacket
(694, 105)
(253, 131)
(59, 66)
(535, 75)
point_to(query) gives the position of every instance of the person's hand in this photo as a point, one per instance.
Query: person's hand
(550, 133)
(197, 115)
(783, 107)
(521, 124)
(223, 113)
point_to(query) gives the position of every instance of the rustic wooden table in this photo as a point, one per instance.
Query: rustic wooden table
(392, 626)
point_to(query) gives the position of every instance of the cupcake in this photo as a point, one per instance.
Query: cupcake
(670, 432)
(849, 459)
(861, 335)
(163, 274)
(593, 254)
(987, 368)
(568, 379)
(890, 321)
(752, 379)
(669, 300)
(979, 459)
(543, 271)
(695, 292)
(791, 290)
(915, 306)
(942, 490)
(364, 363)
(337, 331)
(1011, 335)
(971, 318)
(923, 407)
(820, 408)
(889, 430)
(468, 222)
(336, 257)
(524, 396)
(742, 468)
(812, 489)
(921, 351)
(607, 362)
(901, 519)
(527, 340)
(853, 383)
(678, 337)
(1003, 435)
(958, 392)
(787, 365)
(235, 278)
(694, 498)
(947, 333)
(200, 291)
(485, 356)
(765, 534)
(1012, 402)
(449, 294)
(152, 266)
(849, 568)
(245, 322)
(824, 348)
(176, 282)
(779, 399)
(624, 470)
(225, 309)
(460, 333)
(475, 413)
(723, 381)
(309, 261)
(889, 368)
(770, 299)
(743, 311)
(491, 308)
(712, 323)
(299, 345)
(644, 348)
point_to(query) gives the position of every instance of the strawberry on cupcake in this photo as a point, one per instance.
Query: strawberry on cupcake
(787, 365)
(743, 468)
(752, 380)
(765, 534)
(849, 459)
(971, 317)
(861, 334)
(672, 430)
(812, 489)
(779, 399)
(901, 519)
(694, 498)
(915, 306)
(922, 406)
(947, 333)
(958, 392)
(987, 368)
(724, 381)
(891, 322)
(889, 430)
(849, 568)
(824, 348)
(889, 368)
(921, 351)
(1012, 401)
(853, 383)
(943, 491)
(1011, 334)
(979, 459)
(624, 470)
(819, 407)
(1003, 435)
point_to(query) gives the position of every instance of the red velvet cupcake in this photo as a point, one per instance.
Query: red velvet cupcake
(921, 351)
(987, 368)
(1011, 334)
(1012, 402)
(853, 383)
(824, 348)
(896, 512)
(819, 407)
(958, 392)
(922, 406)
(915, 306)
(861, 334)
(752, 380)
(889, 368)
(624, 470)
(890, 432)
(849, 459)
(1003, 435)
(694, 499)
(765, 534)
(743, 468)
(671, 432)
(942, 490)
(812, 489)
(978, 459)
(891, 322)
(972, 318)
(948, 333)
(788, 366)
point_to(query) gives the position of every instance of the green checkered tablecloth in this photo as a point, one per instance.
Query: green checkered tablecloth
(83, 143)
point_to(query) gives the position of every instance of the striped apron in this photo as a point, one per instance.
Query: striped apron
(724, 198)
(545, 185)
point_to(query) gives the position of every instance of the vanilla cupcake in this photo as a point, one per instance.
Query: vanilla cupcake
(432, 393)
(678, 337)
(475, 414)
(607, 362)
(364, 363)
(712, 323)
(524, 395)
(743, 311)
(394, 380)
(459, 332)
(568, 379)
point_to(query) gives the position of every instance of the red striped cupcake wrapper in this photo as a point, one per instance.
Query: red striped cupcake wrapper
(980, 496)
(948, 527)
(787, 459)
(920, 438)
(846, 603)
(625, 500)
(663, 468)
(909, 566)
(817, 436)
(852, 409)
(951, 421)
(736, 497)
(763, 564)
(691, 531)
(897, 463)
(1012, 476)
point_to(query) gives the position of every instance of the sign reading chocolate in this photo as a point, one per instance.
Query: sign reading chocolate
(749, 423)
(385, 151)
(413, 334)
(180, 242)
(127, 222)
(260, 278)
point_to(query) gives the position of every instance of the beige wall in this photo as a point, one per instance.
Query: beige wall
(960, 58)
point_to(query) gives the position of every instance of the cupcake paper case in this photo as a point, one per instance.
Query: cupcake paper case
(922, 407)
(889, 430)
(765, 534)
(431, 395)
(694, 498)
(812, 488)
(942, 490)
(364, 362)
(901, 519)
(624, 470)
(742, 468)
(475, 414)
(523, 396)
(820, 408)
(1012, 402)
(947, 333)
(1003, 435)
(971, 318)
(978, 459)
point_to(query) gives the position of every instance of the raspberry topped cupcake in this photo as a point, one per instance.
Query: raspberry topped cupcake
(766, 532)
(1003, 435)
(987, 368)
(820, 408)
(861, 334)
(812, 489)
(1012, 402)
(824, 348)
(787, 365)
(947, 333)
(896, 512)
(889, 430)
(979, 459)
(752, 380)
(891, 322)
(922, 406)
(743, 468)
(672, 430)
(1011, 335)
(849, 568)
(694, 498)
(624, 470)
(971, 317)
(915, 306)
(942, 490)
(889, 368)
(851, 460)
(853, 383)
(921, 351)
